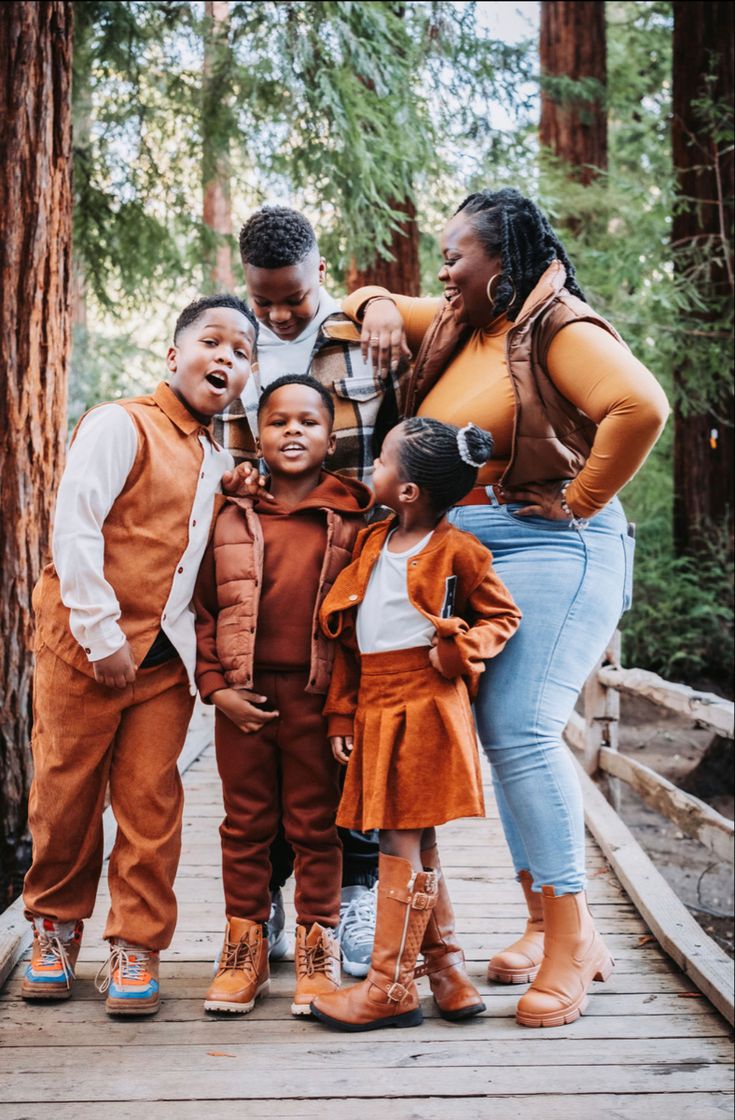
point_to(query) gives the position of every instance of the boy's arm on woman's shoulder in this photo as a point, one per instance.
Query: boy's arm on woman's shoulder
(98, 464)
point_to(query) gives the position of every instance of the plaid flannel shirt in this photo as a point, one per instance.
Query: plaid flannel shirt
(336, 363)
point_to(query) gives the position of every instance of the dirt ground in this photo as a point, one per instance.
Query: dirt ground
(673, 746)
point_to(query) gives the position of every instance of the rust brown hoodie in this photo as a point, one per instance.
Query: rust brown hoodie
(262, 581)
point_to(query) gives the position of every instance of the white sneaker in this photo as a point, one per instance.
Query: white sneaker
(277, 938)
(356, 930)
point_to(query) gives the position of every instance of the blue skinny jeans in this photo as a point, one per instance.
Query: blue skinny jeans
(572, 586)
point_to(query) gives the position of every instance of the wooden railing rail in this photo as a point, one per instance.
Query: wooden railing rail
(594, 737)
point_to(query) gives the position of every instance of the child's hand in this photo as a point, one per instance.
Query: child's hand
(383, 337)
(341, 747)
(245, 482)
(434, 660)
(239, 705)
(117, 670)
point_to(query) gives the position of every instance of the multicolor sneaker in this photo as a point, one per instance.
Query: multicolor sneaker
(356, 930)
(54, 955)
(316, 955)
(130, 978)
(277, 937)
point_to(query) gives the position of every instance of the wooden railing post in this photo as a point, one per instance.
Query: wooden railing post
(601, 711)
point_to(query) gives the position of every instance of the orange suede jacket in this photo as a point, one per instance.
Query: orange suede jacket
(485, 614)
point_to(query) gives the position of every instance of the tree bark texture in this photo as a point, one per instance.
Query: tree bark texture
(402, 273)
(217, 209)
(703, 226)
(35, 265)
(573, 46)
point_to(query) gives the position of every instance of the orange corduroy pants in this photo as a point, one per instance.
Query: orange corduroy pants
(85, 735)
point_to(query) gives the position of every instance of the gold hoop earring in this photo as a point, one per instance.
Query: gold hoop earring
(491, 297)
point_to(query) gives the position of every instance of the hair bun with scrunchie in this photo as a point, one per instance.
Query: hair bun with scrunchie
(475, 445)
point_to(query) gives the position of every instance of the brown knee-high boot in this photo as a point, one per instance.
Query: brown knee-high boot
(520, 962)
(454, 993)
(387, 997)
(574, 956)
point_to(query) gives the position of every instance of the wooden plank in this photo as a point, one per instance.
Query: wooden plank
(669, 920)
(15, 931)
(603, 1106)
(704, 707)
(694, 817)
(387, 1053)
(601, 708)
(214, 1078)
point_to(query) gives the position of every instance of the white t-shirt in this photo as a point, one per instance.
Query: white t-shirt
(386, 618)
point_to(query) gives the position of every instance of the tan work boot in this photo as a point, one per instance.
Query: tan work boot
(387, 997)
(242, 972)
(130, 978)
(54, 955)
(574, 956)
(316, 956)
(520, 962)
(454, 993)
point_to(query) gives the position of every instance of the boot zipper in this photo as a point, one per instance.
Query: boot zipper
(411, 882)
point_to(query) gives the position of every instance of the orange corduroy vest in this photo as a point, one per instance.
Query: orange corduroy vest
(145, 532)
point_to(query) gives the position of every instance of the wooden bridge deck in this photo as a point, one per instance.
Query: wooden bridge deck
(650, 1045)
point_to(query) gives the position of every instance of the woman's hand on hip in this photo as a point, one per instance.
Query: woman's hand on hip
(383, 338)
(542, 501)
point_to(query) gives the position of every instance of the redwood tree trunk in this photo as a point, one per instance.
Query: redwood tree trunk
(702, 228)
(217, 208)
(572, 45)
(35, 243)
(402, 273)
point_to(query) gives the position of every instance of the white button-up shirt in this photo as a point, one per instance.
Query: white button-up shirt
(99, 462)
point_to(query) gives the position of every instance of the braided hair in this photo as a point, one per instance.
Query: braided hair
(431, 456)
(508, 223)
(276, 237)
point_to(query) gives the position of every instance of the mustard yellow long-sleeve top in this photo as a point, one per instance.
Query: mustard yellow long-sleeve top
(587, 365)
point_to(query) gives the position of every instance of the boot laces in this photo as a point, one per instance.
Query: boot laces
(128, 961)
(314, 958)
(53, 954)
(237, 955)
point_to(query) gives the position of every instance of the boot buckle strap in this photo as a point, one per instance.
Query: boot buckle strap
(396, 993)
(422, 901)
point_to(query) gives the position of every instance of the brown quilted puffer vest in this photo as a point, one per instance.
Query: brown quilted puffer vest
(552, 438)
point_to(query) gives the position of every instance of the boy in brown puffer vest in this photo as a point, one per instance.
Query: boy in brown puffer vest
(265, 665)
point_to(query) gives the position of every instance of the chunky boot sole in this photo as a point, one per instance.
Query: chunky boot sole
(406, 1019)
(301, 1009)
(513, 975)
(565, 1015)
(236, 1008)
(461, 1012)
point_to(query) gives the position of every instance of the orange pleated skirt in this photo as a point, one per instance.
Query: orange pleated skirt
(414, 762)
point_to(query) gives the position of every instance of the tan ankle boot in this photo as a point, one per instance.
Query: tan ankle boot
(242, 972)
(574, 956)
(454, 993)
(520, 962)
(388, 996)
(316, 955)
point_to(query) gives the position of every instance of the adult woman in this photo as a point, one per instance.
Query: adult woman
(514, 348)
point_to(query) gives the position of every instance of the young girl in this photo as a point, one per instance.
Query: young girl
(417, 613)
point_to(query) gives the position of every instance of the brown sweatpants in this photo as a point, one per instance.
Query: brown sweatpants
(287, 768)
(83, 735)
